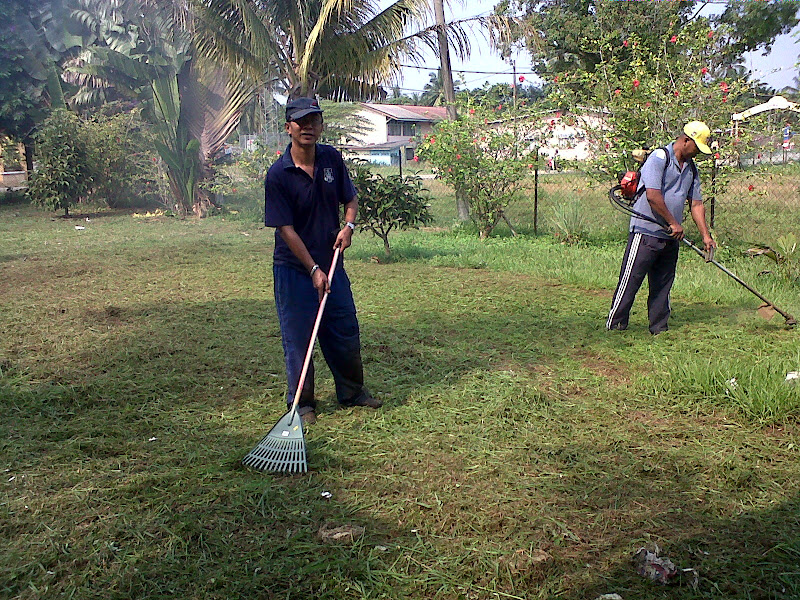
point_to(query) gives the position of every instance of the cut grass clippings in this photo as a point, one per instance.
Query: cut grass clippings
(522, 452)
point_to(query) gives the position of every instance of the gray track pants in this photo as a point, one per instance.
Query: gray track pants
(656, 258)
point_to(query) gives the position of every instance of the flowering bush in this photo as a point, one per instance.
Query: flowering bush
(485, 162)
(645, 95)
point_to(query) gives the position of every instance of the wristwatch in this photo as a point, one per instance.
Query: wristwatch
(351, 225)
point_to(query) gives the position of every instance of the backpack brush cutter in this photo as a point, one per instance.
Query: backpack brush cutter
(622, 198)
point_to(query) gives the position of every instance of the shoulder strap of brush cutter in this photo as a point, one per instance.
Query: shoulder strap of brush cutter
(641, 189)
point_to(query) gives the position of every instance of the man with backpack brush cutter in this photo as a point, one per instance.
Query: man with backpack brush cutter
(668, 179)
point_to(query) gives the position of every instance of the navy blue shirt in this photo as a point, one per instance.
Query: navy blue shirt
(311, 206)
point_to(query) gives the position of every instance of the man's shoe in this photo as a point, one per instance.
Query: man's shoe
(364, 400)
(309, 418)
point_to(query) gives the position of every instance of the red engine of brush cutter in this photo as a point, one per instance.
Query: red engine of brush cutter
(629, 183)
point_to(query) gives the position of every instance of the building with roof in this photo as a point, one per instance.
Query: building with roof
(392, 131)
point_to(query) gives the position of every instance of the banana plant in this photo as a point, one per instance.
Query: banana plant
(146, 50)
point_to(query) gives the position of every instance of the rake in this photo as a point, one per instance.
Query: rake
(283, 449)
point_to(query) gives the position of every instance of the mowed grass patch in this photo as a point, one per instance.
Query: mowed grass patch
(522, 451)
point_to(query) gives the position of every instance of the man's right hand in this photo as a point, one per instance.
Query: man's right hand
(321, 284)
(676, 231)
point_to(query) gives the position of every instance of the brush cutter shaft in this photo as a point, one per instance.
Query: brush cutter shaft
(314, 332)
(789, 318)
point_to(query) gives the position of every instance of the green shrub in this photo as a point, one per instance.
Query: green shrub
(484, 164)
(124, 164)
(64, 175)
(389, 203)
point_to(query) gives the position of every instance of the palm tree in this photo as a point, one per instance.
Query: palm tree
(433, 92)
(337, 49)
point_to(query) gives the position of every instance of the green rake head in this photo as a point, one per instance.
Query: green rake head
(283, 449)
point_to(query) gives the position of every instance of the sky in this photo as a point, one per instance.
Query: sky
(777, 70)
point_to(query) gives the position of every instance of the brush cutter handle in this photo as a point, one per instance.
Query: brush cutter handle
(314, 332)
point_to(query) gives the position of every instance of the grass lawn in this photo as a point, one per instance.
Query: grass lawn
(522, 452)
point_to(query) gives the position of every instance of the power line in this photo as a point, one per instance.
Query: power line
(510, 72)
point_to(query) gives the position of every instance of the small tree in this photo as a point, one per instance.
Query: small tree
(485, 162)
(389, 203)
(64, 173)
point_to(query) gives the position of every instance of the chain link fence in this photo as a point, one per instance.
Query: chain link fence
(753, 201)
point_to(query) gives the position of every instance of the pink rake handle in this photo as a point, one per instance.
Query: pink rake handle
(310, 350)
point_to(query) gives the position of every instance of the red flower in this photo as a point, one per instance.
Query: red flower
(723, 86)
(499, 107)
(725, 98)
(234, 190)
(278, 153)
(458, 156)
(704, 70)
(416, 158)
(673, 39)
(648, 104)
(751, 187)
(555, 79)
(677, 93)
(521, 78)
(472, 111)
(617, 91)
(625, 43)
(636, 83)
(716, 155)
(710, 34)
(530, 166)
(558, 115)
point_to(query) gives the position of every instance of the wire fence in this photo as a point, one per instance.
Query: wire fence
(755, 201)
(13, 180)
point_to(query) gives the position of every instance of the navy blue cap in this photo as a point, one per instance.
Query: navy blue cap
(300, 107)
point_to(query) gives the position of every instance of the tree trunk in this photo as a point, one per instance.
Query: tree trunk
(29, 157)
(510, 226)
(386, 246)
(202, 204)
(462, 206)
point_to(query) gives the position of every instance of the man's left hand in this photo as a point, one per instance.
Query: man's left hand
(344, 239)
(709, 243)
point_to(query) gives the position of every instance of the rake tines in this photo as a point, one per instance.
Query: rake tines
(283, 449)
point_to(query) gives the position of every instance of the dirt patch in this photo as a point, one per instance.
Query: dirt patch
(617, 372)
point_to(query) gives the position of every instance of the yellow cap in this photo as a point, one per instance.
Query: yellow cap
(699, 132)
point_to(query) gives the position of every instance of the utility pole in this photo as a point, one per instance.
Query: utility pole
(444, 57)
(514, 82)
(462, 205)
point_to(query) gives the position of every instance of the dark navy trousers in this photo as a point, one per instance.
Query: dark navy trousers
(656, 258)
(297, 303)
